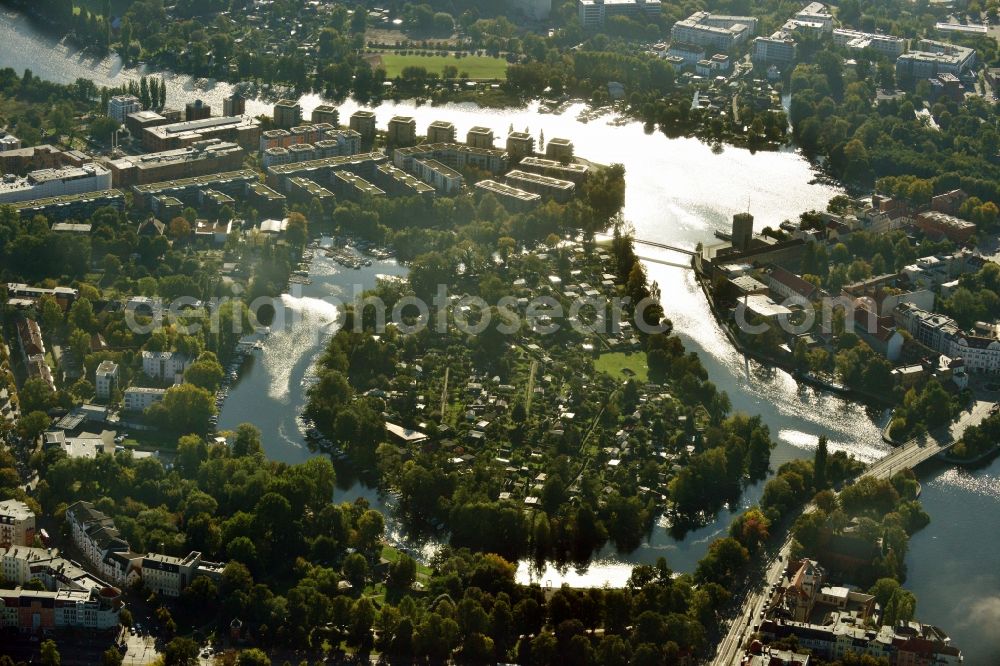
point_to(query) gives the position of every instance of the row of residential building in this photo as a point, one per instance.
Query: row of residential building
(94, 533)
(830, 622)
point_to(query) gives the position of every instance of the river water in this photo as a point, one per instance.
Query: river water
(679, 191)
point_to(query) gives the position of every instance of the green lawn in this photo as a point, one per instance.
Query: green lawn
(477, 67)
(623, 365)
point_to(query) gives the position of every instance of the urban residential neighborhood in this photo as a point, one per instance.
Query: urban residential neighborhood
(499, 332)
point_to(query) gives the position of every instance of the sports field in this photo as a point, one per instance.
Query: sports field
(477, 67)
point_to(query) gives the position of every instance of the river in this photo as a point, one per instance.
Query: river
(679, 191)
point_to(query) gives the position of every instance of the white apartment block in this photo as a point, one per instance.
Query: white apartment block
(17, 524)
(981, 353)
(64, 181)
(164, 365)
(717, 31)
(106, 379)
(139, 399)
(928, 58)
(815, 13)
(594, 13)
(856, 40)
(120, 106)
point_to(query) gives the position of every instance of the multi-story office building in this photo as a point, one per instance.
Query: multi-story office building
(120, 106)
(594, 13)
(63, 181)
(17, 524)
(713, 30)
(287, 114)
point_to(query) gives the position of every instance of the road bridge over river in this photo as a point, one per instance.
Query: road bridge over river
(729, 650)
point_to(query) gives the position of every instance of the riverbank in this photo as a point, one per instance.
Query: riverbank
(777, 362)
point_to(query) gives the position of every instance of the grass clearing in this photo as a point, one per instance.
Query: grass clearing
(477, 67)
(623, 365)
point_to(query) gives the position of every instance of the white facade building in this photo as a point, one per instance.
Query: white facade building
(17, 524)
(106, 379)
(46, 183)
(120, 106)
(164, 365)
(139, 399)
